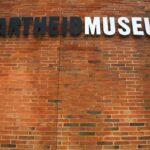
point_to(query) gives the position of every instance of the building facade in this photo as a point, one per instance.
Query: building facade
(74, 92)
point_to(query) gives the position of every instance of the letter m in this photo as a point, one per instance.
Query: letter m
(92, 27)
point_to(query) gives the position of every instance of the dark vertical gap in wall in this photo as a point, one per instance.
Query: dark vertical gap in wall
(58, 69)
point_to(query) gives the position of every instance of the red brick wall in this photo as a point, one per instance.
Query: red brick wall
(75, 93)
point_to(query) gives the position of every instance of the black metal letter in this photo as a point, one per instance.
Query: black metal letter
(64, 26)
(53, 26)
(26, 22)
(14, 26)
(75, 25)
(2, 26)
(39, 26)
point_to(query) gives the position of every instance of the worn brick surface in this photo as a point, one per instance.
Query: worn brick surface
(75, 93)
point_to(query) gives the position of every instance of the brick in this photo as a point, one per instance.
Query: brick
(88, 124)
(104, 143)
(143, 146)
(94, 61)
(114, 128)
(110, 147)
(94, 112)
(26, 137)
(54, 101)
(144, 138)
(69, 116)
(87, 133)
(147, 108)
(8, 145)
(136, 124)
(71, 124)
(111, 120)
